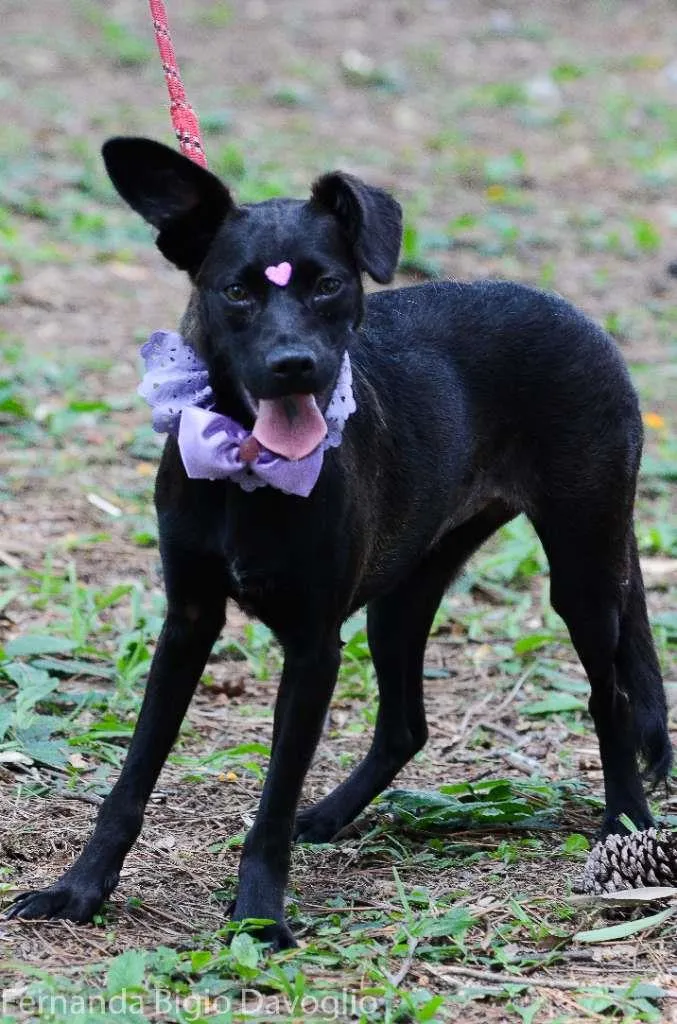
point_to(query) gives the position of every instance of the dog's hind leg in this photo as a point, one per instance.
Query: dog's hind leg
(596, 586)
(194, 619)
(639, 676)
(398, 625)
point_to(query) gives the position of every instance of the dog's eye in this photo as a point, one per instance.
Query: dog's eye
(327, 286)
(236, 293)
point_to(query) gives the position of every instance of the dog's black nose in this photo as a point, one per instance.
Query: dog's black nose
(291, 364)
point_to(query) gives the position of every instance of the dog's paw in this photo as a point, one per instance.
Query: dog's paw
(264, 920)
(314, 827)
(278, 935)
(64, 900)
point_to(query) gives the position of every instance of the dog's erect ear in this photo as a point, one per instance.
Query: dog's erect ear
(370, 217)
(183, 200)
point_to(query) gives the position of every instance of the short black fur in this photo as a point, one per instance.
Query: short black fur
(475, 402)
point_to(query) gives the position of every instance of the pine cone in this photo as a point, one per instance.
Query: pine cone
(630, 862)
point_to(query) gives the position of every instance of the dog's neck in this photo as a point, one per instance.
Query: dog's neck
(213, 445)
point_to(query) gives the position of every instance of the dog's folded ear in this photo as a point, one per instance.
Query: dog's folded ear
(370, 217)
(183, 200)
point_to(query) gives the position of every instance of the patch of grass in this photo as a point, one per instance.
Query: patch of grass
(418, 248)
(219, 14)
(463, 805)
(257, 647)
(518, 556)
(8, 276)
(12, 401)
(568, 72)
(500, 94)
(117, 40)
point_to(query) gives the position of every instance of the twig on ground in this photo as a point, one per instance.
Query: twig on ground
(177, 864)
(502, 730)
(521, 762)
(452, 971)
(9, 560)
(397, 979)
(80, 934)
(85, 798)
(464, 735)
(515, 690)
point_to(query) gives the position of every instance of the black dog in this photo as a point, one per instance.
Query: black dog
(475, 402)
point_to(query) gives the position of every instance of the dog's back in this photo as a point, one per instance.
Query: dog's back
(473, 392)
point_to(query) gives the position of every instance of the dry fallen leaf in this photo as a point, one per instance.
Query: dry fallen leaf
(128, 271)
(15, 757)
(627, 897)
(658, 572)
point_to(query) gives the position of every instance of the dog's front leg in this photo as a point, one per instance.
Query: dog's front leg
(195, 617)
(308, 680)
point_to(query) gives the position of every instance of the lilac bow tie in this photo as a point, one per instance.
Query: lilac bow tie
(215, 447)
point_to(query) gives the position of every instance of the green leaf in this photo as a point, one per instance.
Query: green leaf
(199, 958)
(109, 728)
(88, 405)
(47, 752)
(645, 990)
(6, 717)
(10, 404)
(532, 643)
(74, 667)
(560, 681)
(36, 643)
(626, 928)
(244, 950)
(456, 922)
(429, 1009)
(554, 703)
(646, 235)
(249, 748)
(34, 686)
(27, 677)
(126, 971)
(113, 596)
(462, 805)
(144, 539)
(575, 843)
(567, 72)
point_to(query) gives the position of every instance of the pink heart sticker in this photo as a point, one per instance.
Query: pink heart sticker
(279, 275)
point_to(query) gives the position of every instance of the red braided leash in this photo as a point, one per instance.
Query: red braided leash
(184, 118)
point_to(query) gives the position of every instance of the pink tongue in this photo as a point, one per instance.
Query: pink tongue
(292, 426)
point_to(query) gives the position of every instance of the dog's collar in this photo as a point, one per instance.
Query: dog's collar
(216, 447)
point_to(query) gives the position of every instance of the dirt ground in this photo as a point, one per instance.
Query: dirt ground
(529, 141)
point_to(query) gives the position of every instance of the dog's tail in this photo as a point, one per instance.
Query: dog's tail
(639, 676)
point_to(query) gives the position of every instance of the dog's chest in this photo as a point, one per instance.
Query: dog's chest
(250, 580)
(272, 560)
